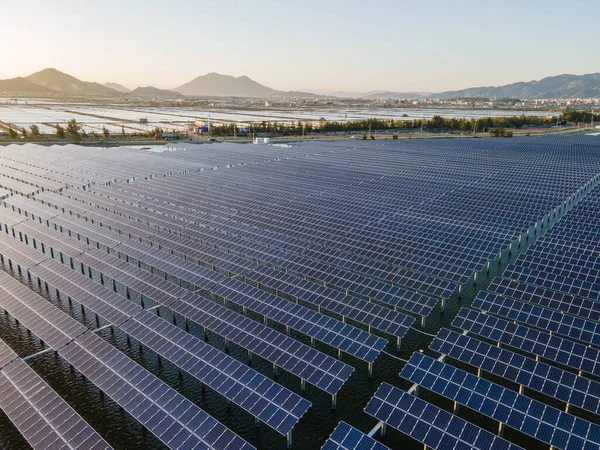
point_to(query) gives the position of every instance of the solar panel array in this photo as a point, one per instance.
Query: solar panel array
(343, 245)
(426, 423)
(46, 419)
(345, 437)
(540, 330)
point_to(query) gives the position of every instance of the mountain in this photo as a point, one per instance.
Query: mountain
(214, 84)
(117, 87)
(560, 86)
(21, 85)
(388, 94)
(151, 91)
(66, 84)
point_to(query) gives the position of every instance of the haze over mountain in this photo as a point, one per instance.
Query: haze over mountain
(21, 85)
(151, 91)
(560, 86)
(67, 84)
(389, 94)
(52, 81)
(214, 84)
(118, 87)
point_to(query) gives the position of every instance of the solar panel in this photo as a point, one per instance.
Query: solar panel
(426, 423)
(547, 424)
(345, 337)
(378, 317)
(356, 227)
(176, 421)
(107, 304)
(568, 285)
(148, 284)
(13, 250)
(315, 367)
(162, 410)
(36, 314)
(274, 405)
(554, 348)
(31, 208)
(544, 378)
(49, 241)
(9, 218)
(7, 355)
(346, 437)
(539, 317)
(41, 416)
(537, 295)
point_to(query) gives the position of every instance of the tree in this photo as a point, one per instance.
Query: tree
(105, 132)
(123, 130)
(60, 131)
(24, 132)
(12, 133)
(35, 130)
(73, 128)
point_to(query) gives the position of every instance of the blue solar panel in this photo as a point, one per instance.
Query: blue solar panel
(426, 423)
(554, 348)
(275, 405)
(539, 317)
(569, 304)
(544, 378)
(345, 437)
(547, 424)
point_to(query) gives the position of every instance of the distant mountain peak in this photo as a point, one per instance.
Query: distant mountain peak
(58, 81)
(218, 85)
(117, 87)
(154, 92)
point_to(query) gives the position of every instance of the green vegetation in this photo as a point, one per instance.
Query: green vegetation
(24, 132)
(437, 123)
(35, 130)
(105, 132)
(60, 131)
(73, 128)
(12, 133)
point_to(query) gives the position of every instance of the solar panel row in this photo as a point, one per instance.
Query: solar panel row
(166, 413)
(557, 428)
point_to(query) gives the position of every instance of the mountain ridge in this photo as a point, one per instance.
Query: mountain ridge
(562, 86)
(52, 81)
(151, 91)
(57, 81)
(117, 87)
(215, 84)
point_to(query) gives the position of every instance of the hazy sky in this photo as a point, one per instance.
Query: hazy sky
(303, 44)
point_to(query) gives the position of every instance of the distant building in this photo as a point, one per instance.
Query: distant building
(191, 128)
(143, 120)
(263, 140)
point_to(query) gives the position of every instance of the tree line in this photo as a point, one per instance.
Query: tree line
(437, 123)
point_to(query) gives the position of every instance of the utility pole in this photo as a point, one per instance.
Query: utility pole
(421, 123)
(369, 129)
(592, 118)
